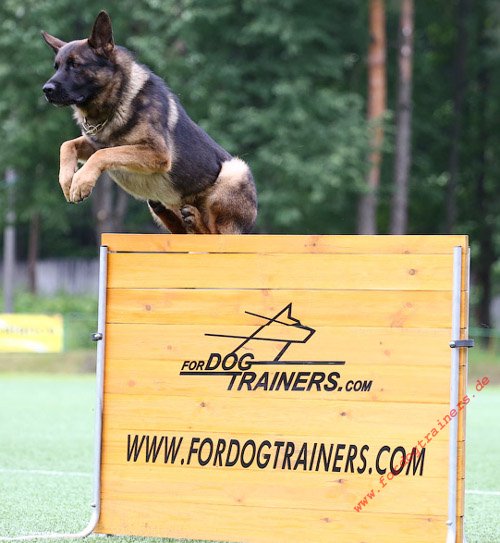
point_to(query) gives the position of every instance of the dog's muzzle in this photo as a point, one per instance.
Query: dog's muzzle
(49, 89)
(56, 96)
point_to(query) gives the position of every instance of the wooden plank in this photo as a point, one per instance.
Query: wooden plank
(462, 394)
(460, 529)
(310, 271)
(274, 489)
(385, 382)
(267, 525)
(460, 498)
(284, 244)
(367, 308)
(270, 416)
(400, 346)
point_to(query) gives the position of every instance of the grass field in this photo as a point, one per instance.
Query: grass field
(46, 426)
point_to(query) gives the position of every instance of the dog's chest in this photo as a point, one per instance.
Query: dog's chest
(157, 187)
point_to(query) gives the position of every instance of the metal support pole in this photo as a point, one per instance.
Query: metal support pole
(100, 338)
(454, 382)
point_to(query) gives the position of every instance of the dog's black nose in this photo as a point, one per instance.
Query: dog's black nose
(49, 88)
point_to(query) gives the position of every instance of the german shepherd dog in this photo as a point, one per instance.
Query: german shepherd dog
(135, 128)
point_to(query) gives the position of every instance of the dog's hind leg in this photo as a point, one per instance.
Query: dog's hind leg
(193, 221)
(232, 204)
(167, 217)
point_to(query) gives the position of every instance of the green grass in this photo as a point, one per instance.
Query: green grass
(482, 512)
(484, 362)
(46, 424)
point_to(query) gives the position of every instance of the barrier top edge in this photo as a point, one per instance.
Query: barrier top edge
(282, 244)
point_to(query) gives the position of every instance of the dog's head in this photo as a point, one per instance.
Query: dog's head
(83, 67)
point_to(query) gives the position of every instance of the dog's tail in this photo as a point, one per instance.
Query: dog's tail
(233, 202)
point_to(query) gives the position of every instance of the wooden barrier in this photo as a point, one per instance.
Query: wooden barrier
(261, 388)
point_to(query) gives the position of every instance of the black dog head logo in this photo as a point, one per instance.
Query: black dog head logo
(282, 328)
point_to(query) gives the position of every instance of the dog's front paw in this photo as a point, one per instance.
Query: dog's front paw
(65, 180)
(81, 187)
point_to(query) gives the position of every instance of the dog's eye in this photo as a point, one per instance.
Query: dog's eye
(72, 64)
(56, 66)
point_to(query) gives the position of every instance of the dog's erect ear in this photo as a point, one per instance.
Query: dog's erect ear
(101, 39)
(55, 43)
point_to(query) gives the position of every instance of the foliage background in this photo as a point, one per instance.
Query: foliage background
(281, 83)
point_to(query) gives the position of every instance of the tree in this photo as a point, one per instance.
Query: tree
(284, 86)
(280, 96)
(367, 212)
(109, 206)
(32, 131)
(278, 86)
(459, 92)
(483, 186)
(402, 160)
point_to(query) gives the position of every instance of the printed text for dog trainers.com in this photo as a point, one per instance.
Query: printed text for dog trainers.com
(415, 452)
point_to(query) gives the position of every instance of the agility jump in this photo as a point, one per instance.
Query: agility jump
(256, 387)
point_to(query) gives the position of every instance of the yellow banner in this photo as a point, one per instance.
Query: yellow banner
(24, 333)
